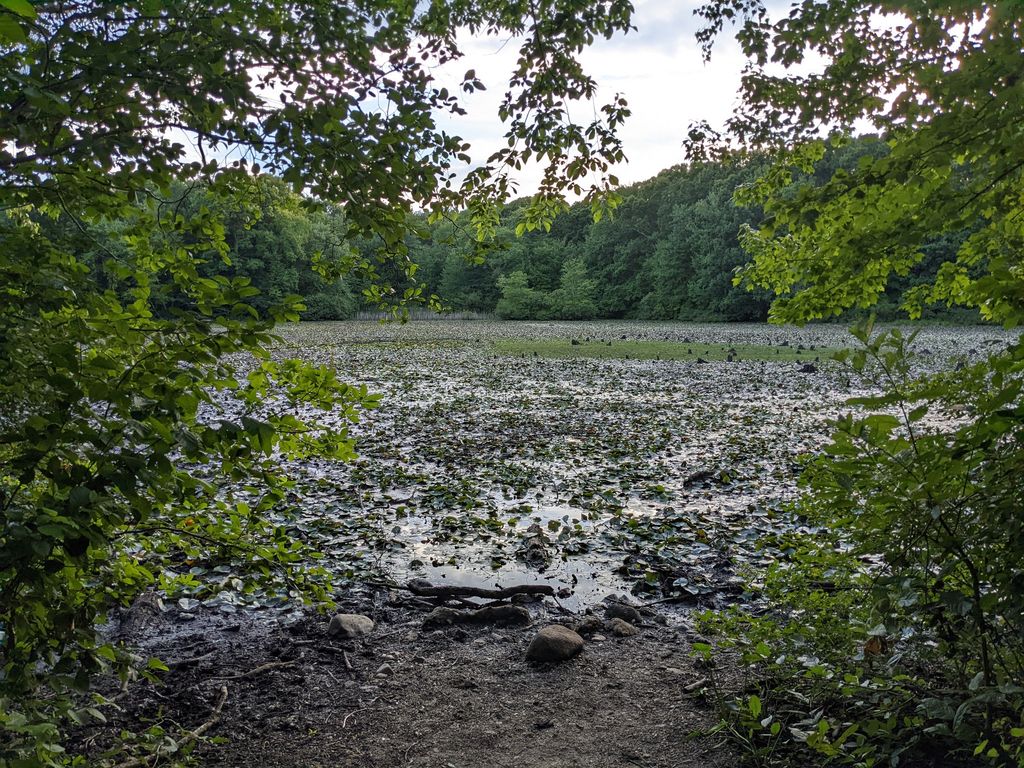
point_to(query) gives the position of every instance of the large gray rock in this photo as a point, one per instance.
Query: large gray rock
(554, 643)
(349, 626)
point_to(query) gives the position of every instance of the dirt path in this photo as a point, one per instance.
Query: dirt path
(451, 698)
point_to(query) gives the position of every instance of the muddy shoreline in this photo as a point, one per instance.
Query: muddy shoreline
(414, 695)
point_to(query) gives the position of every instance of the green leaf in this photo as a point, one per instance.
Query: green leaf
(754, 706)
(20, 7)
(11, 31)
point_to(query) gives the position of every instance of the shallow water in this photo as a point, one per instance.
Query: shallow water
(658, 477)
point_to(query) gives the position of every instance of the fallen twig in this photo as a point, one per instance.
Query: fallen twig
(180, 663)
(340, 652)
(687, 598)
(696, 685)
(259, 670)
(344, 723)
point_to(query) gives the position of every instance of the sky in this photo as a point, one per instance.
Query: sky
(659, 68)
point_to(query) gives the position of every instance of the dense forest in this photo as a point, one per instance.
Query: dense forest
(669, 251)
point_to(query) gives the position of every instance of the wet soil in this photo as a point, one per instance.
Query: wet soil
(457, 697)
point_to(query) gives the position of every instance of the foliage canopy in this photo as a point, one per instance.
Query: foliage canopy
(922, 651)
(144, 423)
(940, 82)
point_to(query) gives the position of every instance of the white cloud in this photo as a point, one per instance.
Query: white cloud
(658, 68)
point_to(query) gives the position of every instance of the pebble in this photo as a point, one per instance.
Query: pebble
(385, 670)
(554, 643)
(598, 638)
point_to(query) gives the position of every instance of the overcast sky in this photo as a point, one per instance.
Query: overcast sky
(658, 68)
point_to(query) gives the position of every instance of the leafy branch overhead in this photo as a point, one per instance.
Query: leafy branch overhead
(941, 85)
(338, 99)
(144, 421)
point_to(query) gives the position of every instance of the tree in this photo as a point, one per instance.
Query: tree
(954, 157)
(518, 300)
(935, 504)
(574, 297)
(122, 430)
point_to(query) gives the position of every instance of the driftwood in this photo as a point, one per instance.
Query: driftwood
(180, 663)
(423, 588)
(495, 614)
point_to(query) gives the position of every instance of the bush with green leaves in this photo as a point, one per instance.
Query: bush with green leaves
(518, 300)
(896, 628)
(918, 493)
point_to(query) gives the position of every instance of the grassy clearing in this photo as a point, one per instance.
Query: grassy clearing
(630, 349)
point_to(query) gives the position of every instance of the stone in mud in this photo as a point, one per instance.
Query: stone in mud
(554, 643)
(589, 625)
(622, 611)
(349, 626)
(534, 548)
(621, 628)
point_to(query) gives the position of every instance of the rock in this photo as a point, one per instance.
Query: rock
(621, 628)
(504, 615)
(589, 625)
(808, 368)
(622, 611)
(349, 626)
(385, 670)
(533, 549)
(554, 643)
(598, 638)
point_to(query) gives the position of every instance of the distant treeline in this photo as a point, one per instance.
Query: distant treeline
(667, 253)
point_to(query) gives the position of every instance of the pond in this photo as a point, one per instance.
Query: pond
(657, 458)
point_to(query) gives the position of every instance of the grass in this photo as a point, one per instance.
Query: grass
(654, 350)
